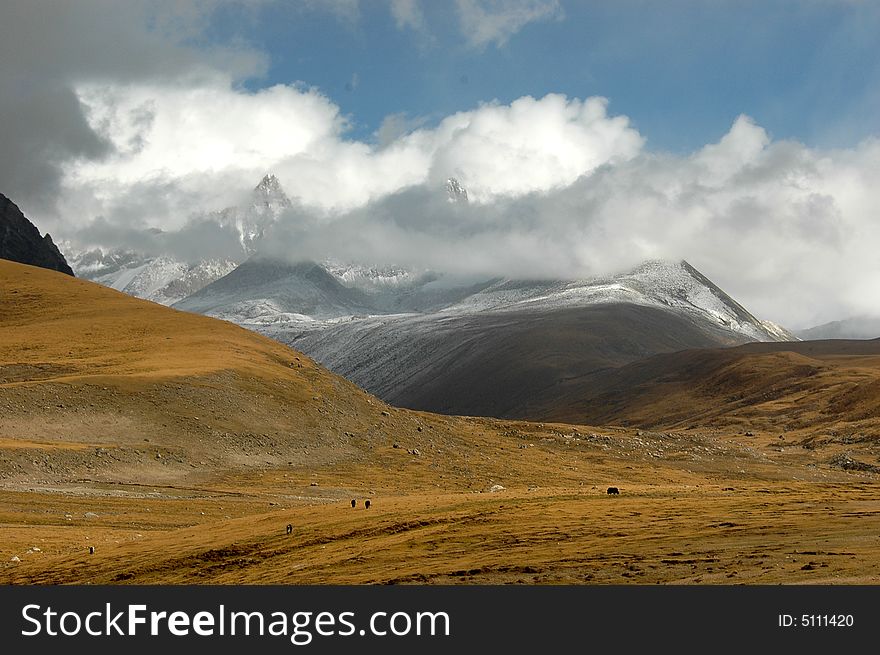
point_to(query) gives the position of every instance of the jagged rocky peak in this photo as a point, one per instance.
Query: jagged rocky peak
(269, 192)
(21, 241)
(455, 191)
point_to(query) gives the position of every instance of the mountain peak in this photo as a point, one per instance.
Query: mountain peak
(268, 183)
(269, 191)
(21, 241)
(455, 191)
(679, 284)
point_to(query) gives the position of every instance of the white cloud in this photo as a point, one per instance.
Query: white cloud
(742, 145)
(191, 136)
(529, 145)
(485, 22)
(408, 14)
(47, 48)
(397, 125)
(181, 130)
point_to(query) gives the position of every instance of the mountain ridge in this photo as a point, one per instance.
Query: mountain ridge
(819, 389)
(856, 327)
(503, 347)
(20, 240)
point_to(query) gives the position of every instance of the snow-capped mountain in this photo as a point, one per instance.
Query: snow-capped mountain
(455, 192)
(251, 221)
(489, 347)
(266, 292)
(675, 285)
(364, 277)
(423, 339)
(167, 279)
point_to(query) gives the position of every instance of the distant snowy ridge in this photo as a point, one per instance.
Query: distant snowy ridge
(676, 285)
(166, 279)
(274, 293)
(371, 277)
(160, 279)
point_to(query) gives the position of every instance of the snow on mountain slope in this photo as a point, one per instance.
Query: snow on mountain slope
(268, 291)
(497, 363)
(195, 277)
(501, 347)
(147, 280)
(160, 279)
(99, 262)
(372, 277)
(677, 286)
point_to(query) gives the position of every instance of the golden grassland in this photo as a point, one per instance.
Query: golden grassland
(180, 447)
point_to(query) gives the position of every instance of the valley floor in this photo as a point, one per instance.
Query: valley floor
(691, 510)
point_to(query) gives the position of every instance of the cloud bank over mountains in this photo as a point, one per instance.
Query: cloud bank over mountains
(182, 140)
(557, 187)
(159, 129)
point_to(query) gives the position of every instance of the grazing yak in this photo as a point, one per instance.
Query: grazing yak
(367, 504)
(354, 502)
(289, 528)
(613, 491)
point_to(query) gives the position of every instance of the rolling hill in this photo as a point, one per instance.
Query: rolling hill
(814, 389)
(85, 367)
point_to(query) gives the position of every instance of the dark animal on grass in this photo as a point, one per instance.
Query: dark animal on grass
(367, 504)
(613, 491)
(91, 550)
(289, 528)
(354, 502)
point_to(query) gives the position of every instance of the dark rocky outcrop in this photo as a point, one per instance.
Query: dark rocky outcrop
(20, 241)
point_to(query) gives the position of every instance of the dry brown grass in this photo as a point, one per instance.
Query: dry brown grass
(180, 447)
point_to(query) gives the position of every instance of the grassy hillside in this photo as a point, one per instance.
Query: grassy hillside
(799, 387)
